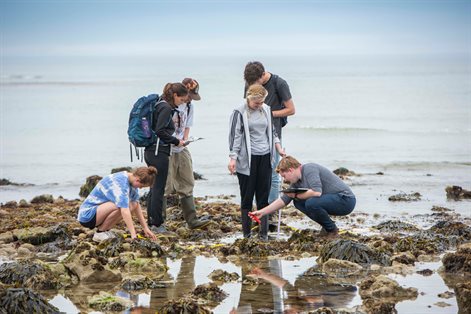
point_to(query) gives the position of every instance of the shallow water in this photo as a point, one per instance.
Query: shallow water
(302, 293)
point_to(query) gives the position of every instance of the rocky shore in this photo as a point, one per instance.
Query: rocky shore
(43, 250)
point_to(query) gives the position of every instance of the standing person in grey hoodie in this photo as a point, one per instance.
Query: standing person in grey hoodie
(252, 144)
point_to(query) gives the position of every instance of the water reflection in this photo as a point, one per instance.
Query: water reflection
(283, 288)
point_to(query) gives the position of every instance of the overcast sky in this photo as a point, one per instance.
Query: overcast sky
(109, 28)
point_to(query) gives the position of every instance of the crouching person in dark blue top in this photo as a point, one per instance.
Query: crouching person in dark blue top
(115, 198)
(316, 191)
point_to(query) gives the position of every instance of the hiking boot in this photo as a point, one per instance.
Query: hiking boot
(189, 213)
(102, 236)
(263, 237)
(332, 234)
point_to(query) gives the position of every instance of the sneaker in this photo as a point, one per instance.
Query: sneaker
(159, 229)
(102, 236)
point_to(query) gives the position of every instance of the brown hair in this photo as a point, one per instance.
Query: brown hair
(256, 91)
(173, 88)
(286, 163)
(146, 175)
(253, 71)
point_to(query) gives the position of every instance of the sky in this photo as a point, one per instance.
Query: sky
(272, 27)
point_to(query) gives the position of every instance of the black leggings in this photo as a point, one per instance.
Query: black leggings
(258, 184)
(156, 193)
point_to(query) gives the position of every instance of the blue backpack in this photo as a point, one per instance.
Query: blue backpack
(140, 132)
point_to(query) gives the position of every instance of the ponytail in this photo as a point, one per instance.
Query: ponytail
(173, 88)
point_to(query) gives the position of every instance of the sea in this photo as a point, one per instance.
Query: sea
(402, 123)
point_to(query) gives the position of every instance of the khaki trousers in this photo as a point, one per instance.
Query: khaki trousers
(180, 178)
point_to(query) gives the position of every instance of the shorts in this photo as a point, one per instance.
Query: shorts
(90, 224)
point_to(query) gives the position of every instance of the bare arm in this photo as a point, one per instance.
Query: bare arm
(289, 110)
(126, 214)
(143, 222)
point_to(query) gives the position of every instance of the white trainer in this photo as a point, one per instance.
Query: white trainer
(102, 236)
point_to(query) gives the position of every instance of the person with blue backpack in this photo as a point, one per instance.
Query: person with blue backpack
(180, 178)
(157, 154)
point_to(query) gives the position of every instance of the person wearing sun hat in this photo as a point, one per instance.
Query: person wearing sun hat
(180, 179)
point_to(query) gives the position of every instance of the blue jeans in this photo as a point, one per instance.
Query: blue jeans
(275, 181)
(320, 208)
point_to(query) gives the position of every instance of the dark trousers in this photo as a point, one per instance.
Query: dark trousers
(156, 193)
(320, 208)
(258, 184)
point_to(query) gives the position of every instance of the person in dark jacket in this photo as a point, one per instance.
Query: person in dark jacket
(157, 155)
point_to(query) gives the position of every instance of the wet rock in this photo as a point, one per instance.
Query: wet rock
(111, 247)
(35, 275)
(4, 182)
(335, 267)
(10, 204)
(23, 203)
(457, 192)
(120, 169)
(384, 287)
(442, 304)
(23, 300)
(137, 282)
(455, 228)
(108, 302)
(45, 198)
(424, 242)
(440, 209)
(146, 265)
(89, 266)
(323, 310)
(210, 292)
(89, 185)
(425, 272)
(198, 176)
(446, 295)
(463, 297)
(395, 226)
(344, 172)
(184, 305)
(403, 197)
(460, 261)
(354, 252)
(147, 248)
(223, 276)
(375, 306)
(404, 258)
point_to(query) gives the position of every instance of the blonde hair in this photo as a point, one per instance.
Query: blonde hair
(287, 163)
(146, 175)
(256, 91)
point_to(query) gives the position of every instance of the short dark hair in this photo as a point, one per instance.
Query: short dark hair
(253, 71)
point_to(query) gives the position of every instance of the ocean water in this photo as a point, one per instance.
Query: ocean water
(63, 119)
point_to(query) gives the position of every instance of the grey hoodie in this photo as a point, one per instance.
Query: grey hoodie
(239, 138)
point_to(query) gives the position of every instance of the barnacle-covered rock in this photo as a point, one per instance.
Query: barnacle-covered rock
(108, 302)
(395, 226)
(354, 252)
(210, 292)
(463, 297)
(184, 305)
(36, 275)
(338, 268)
(23, 300)
(223, 276)
(147, 248)
(403, 197)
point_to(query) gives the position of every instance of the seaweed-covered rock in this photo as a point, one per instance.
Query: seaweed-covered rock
(147, 248)
(41, 235)
(145, 265)
(457, 192)
(184, 305)
(28, 274)
(108, 302)
(440, 209)
(395, 226)
(23, 300)
(198, 176)
(463, 297)
(210, 292)
(304, 241)
(424, 242)
(137, 282)
(406, 258)
(460, 261)
(343, 172)
(223, 276)
(111, 247)
(455, 228)
(323, 310)
(404, 197)
(354, 252)
(45, 198)
(90, 183)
